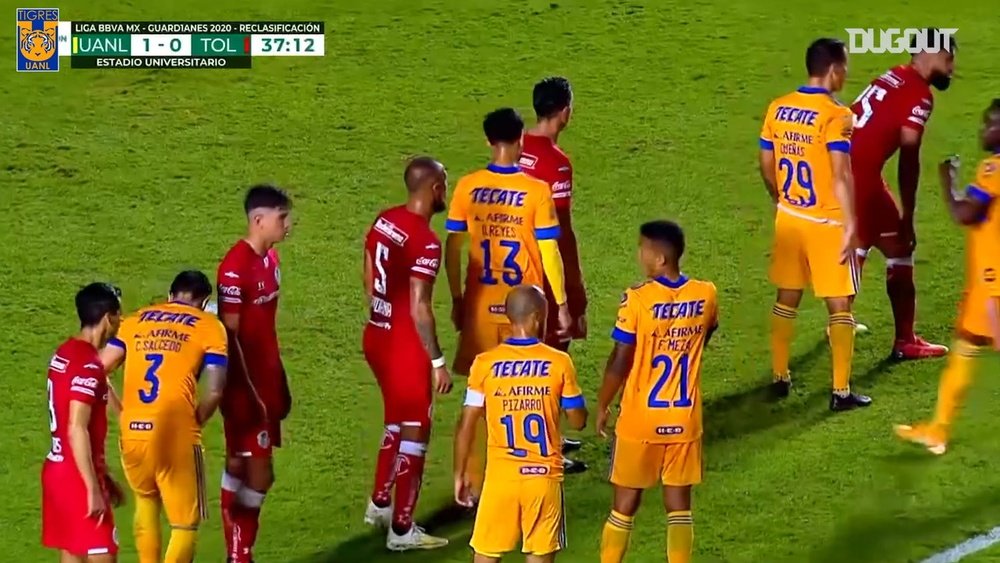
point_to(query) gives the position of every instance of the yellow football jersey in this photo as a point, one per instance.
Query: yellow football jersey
(506, 212)
(523, 384)
(668, 322)
(802, 128)
(982, 252)
(165, 348)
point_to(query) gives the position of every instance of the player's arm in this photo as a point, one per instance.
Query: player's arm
(473, 410)
(368, 278)
(572, 402)
(79, 440)
(214, 375)
(112, 357)
(970, 209)
(422, 312)
(908, 170)
(713, 321)
(547, 233)
(838, 146)
(615, 372)
(768, 168)
(230, 302)
(457, 225)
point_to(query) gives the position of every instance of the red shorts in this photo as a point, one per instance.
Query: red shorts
(877, 211)
(251, 438)
(64, 504)
(403, 372)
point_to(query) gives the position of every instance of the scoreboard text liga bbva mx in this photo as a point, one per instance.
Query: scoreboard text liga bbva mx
(43, 40)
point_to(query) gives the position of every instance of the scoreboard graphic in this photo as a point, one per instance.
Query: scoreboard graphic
(43, 42)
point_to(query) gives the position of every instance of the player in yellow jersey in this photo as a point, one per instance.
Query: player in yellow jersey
(519, 387)
(978, 325)
(511, 222)
(164, 349)
(805, 162)
(662, 328)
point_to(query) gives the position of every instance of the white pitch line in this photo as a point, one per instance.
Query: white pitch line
(966, 548)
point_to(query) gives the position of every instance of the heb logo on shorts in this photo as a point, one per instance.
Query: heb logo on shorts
(669, 430)
(37, 39)
(534, 470)
(140, 426)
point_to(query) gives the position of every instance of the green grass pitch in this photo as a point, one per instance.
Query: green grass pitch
(130, 176)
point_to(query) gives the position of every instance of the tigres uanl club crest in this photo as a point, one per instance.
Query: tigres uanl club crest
(37, 39)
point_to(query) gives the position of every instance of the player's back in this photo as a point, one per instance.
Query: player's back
(402, 245)
(541, 158)
(802, 128)
(506, 212)
(166, 346)
(75, 373)
(525, 384)
(983, 239)
(898, 98)
(669, 322)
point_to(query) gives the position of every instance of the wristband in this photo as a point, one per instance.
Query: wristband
(437, 363)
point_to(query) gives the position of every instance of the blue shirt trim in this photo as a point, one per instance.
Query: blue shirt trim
(577, 402)
(521, 341)
(117, 343)
(672, 284)
(547, 233)
(812, 90)
(839, 146)
(766, 144)
(623, 336)
(456, 226)
(975, 192)
(496, 168)
(213, 359)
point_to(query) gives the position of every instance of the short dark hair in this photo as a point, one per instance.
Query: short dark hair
(194, 282)
(551, 96)
(824, 53)
(994, 105)
(268, 196)
(666, 233)
(933, 36)
(96, 300)
(503, 126)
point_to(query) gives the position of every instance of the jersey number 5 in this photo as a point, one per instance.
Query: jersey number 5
(155, 361)
(381, 255)
(872, 91)
(533, 430)
(683, 394)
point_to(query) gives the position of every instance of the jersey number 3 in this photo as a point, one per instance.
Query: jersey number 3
(155, 361)
(683, 394)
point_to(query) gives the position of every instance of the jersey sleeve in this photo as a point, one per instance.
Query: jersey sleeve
(767, 132)
(458, 211)
(124, 335)
(215, 343)
(546, 223)
(628, 320)
(916, 111)
(232, 279)
(838, 130)
(475, 393)
(712, 319)
(87, 380)
(987, 185)
(425, 257)
(572, 395)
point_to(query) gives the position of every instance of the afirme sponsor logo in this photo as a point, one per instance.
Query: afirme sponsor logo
(895, 40)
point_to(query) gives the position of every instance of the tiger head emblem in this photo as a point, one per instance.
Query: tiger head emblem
(37, 44)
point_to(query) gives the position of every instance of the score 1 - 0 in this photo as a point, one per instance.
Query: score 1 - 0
(161, 46)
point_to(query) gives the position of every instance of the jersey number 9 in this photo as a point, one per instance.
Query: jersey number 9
(532, 430)
(683, 393)
(800, 174)
(512, 274)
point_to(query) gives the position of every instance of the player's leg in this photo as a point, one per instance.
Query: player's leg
(497, 528)
(683, 467)
(789, 272)
(479, 334)
(635, 466)
(254, 457)
(543, 523)
(232, 479)
(379, 510)
(182, 488)
(103, 558)
(139, 464)
(67, 557)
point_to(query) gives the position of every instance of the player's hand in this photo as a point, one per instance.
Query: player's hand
(116, 496)
(948, 172)
(565, 320)
(442, 380)
(463, 492)
(457, 313)
(97, 507)
(849, 246)
(602, 422)
(906, 233)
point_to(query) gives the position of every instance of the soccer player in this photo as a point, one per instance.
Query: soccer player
(165, 348)
(542, 158)
(978, 325)
(890, 116)
(511, 220)
(806, 167)
(663, 326)
(402, 256)
(77, 490)
(519, 388)
(257, 397)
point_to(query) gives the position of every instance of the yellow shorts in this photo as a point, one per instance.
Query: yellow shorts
(476, 338)
(175, 475)
(639, 465)
(529, 510)
(974, 313)
(805, 251)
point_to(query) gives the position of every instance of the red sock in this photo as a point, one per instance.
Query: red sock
(902, 295)
(230, 487)
(385, 467)
(246, 521)
(409, 475)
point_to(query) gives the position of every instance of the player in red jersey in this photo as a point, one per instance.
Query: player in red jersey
(402, 256)
(542, 158)
(77, 490)
(257, 397)
(889, 116)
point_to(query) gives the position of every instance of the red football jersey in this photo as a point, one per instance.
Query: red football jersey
(402, 245)
(249, 285)
(899, 98)
(76, 374)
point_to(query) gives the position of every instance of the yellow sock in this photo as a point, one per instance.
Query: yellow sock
(614, 538)
(475, 469)
(680, 536)
(146, 527)
(782, 331)
(954, 382)
(842, 350)
(180, 548)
